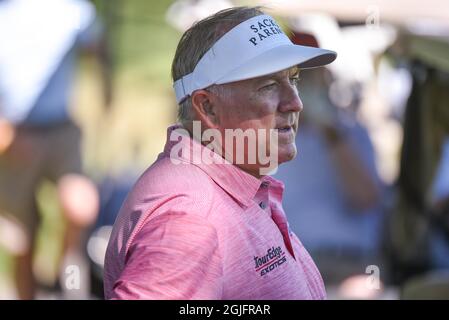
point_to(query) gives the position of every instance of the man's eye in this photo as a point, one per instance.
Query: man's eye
(295, 80)
(268, 86)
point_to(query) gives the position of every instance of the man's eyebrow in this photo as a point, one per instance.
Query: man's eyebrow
(291, 73)
(294, 71)
(267, 77)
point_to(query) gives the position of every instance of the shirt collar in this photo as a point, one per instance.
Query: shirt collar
(236, 182)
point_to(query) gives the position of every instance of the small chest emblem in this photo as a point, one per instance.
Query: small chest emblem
(274, 257)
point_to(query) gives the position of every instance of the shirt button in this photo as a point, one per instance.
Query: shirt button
(265, 184)
(262, 205)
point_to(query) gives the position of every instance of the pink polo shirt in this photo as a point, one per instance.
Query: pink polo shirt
(190, 230)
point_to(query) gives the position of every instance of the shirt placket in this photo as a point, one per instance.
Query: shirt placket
(262, 199)
(280, 220)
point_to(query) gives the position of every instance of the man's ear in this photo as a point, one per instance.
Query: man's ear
(204, 107)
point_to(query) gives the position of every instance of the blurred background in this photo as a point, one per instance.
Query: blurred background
(86, 97)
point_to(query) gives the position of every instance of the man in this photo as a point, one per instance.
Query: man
(205, 221)
(38, 139)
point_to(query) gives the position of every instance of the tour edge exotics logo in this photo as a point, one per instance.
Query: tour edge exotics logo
(270, 261)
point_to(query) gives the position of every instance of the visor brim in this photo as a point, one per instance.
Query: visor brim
(280, 58)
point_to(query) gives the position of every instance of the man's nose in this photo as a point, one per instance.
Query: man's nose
(290, 101)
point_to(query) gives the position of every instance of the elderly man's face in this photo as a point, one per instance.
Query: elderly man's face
(268, 102)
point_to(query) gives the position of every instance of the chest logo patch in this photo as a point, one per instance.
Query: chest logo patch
(274, 257)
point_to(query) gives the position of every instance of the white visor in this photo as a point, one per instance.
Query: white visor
(254, 48)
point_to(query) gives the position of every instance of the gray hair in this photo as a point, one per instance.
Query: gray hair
(197, 40)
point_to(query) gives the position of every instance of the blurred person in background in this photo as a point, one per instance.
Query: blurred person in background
(333, 195)
(439, 251)
(417, 240)
(39, 41)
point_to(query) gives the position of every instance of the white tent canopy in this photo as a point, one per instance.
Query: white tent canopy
(392, 11)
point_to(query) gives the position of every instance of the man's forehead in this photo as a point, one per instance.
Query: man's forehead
(286, 72)
(292, 71)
